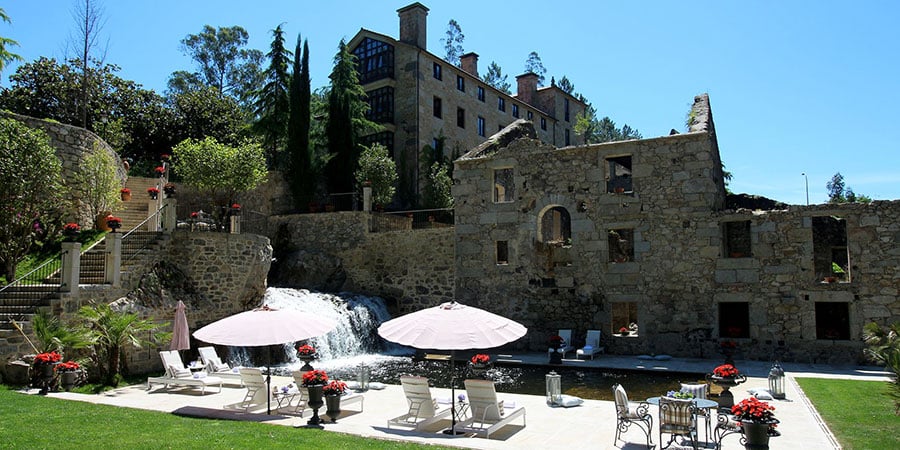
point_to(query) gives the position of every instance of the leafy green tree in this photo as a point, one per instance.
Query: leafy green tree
(534, 65)
(301, 176)
(494, 77)
(453, 48)
(437, 189)
(223, 62)
(839, 193)
(6, 56)
(219, 170)
(272, 103)
(97, 182)
(604, 130)
(884, 348)
(109, 331)
(376, 167)
(346, 120)
(32, 192)
(205, 113)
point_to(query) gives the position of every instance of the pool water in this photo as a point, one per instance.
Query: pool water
(587, 383)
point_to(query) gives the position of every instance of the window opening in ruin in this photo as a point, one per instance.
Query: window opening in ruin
(624, 315)
(734, 320)
(556, 227)
(568, 142)
(621, 245)
(833, 320)
(502, 253)
(619, 180)
(566, 107)
(460, 117)
(504, 185)
(737, 239)
(831, 260)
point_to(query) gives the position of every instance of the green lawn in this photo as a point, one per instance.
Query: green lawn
(859, 413)
(38, 422)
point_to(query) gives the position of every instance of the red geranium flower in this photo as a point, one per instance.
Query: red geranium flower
(315, 377)
(195, 215)
(235, 206)
(68, 366)
(481, 359)
(335, 388)
(71, 227)
(49, 357)
(725, 371)
(753, 410)
(160, 170)
(306, 350)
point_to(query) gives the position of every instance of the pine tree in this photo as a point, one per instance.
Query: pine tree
(495, 78)
(534, 65)
(346, 121)
(453, 43)
(272, 104)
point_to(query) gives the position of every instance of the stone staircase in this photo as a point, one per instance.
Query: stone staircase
(136, 210)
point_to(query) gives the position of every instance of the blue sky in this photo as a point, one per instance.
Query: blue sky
(796, 87)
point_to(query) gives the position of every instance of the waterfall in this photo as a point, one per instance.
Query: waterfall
(357, 316)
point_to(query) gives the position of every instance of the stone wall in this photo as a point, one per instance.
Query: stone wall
(678, 275)
(72, 144)
(410, 269)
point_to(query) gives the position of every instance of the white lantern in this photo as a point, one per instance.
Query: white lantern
(554, 388)
(776, 381)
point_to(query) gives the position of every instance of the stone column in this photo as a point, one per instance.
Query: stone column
(71, 267)
(114, 258)
(235, 224)
(169, 219)
(367, 198)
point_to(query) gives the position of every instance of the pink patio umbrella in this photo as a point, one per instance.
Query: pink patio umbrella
(452, 326)
(181, 336)
(265, 326)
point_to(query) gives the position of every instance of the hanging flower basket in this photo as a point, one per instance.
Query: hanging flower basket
(153, 192)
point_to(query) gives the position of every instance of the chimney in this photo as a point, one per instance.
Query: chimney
(526, 87)
(469, 63)
(413, 21)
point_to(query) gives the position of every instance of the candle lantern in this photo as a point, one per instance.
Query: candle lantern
(554, 388)
(776, 381)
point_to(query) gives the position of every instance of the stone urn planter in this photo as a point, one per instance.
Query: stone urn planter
(315, 402)
(67, 380)
(756, 434)
(726, 398)
(333, 407)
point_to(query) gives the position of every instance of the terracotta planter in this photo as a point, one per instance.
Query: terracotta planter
(100, 221)
(126, 196)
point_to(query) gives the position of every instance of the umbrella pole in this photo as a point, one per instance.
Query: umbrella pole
(269, 383)
(452, 430)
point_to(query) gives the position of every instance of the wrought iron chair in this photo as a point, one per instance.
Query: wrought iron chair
(701, 390)
(628, 413)
(677, 417)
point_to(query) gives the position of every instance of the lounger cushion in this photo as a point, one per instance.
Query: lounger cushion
(568, 401)
(179, 372)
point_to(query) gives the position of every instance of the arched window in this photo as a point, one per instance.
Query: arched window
(556, 226)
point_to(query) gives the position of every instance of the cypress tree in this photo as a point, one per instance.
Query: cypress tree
(301, 177)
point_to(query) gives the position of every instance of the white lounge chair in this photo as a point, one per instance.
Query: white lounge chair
(179, 375)
(346, 399)
(257, 390)
(423, 408)
(591, 345)
(567, 343)
(215, 366)
(487, 413)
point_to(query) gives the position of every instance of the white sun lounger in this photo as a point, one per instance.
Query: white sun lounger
(487, 413)
(423, 408)
(179, 375)
(215, 366)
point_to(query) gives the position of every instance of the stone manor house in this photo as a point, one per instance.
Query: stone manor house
(419, 98)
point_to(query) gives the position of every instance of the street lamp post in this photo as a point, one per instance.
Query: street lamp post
(807, 187)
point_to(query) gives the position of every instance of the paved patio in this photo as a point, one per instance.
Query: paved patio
(591, 425)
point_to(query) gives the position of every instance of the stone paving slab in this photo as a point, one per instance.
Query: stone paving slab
(591, 425)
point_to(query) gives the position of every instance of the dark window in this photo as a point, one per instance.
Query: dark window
(437, 71)
(381, 105)
(480, 126)
(568, 142)
(566, 106)
(436, 107)
(831, 260)
(737, 239)
(734, 320)
(374, 60)
(480, 93)
(515, 111)
(833, 320)
(544, 123)
(501, 104)
(502, 252)
(385, 138)
(621, 245)
(619, 174)
(504, 186)
(529, 115)
(460, 117)
(460, 83)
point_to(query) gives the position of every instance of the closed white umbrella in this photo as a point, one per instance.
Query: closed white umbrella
(452, 326)
(181, 336)
(265, 326)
